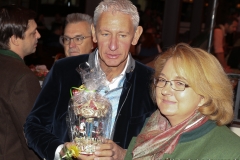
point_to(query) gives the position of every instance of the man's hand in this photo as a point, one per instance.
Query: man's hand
(85, 157)
(109, 151)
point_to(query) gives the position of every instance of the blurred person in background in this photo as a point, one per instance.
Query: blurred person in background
(219, 40)
(52, 39)
(19, 85)
(148, 46)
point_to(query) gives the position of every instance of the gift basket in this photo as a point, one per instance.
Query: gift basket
(89, 113)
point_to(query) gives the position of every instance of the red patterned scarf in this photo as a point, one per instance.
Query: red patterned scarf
(158, 137)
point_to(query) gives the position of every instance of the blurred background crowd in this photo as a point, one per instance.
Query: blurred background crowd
(192, 18)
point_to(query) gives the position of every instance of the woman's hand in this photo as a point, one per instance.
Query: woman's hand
(109, 151)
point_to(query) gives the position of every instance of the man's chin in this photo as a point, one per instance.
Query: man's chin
(113, 65)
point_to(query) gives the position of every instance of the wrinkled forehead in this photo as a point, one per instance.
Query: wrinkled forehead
(115, 12)
(105, 14)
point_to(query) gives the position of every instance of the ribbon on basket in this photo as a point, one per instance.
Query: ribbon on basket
(73, 90)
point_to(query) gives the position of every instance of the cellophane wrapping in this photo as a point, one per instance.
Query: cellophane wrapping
(89, 113)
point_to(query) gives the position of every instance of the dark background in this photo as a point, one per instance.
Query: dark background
(185, 10)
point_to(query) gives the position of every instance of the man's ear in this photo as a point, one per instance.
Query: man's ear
(137, 35)
(14, 40)
(94, 33)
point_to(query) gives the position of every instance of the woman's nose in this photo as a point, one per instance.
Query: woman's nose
(167, 89)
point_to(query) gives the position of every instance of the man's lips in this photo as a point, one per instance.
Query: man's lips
(112, 56)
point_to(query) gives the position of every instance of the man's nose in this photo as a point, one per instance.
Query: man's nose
(38, 34)
(72, 43)
(113, 45)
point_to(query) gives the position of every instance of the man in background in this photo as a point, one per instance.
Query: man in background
(219, 40)
(77, 38)
(19, 86)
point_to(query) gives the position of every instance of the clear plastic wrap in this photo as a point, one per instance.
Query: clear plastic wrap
(89, 113)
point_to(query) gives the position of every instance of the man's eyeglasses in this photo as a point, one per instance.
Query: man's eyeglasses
(175, 84)
(77, 40)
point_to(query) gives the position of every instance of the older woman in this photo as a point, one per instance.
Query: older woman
(195, 102)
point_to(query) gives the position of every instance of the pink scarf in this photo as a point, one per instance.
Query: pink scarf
(158, 137)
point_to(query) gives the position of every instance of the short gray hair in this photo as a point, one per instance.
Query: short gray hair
(79, 17)
(123, 6)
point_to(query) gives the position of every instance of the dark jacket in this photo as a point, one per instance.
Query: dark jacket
(46, 128)
(19, 89)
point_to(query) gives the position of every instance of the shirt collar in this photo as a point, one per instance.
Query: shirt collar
(10, 54)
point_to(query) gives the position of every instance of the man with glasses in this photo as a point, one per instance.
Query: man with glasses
(115, 29)
(77, 38)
